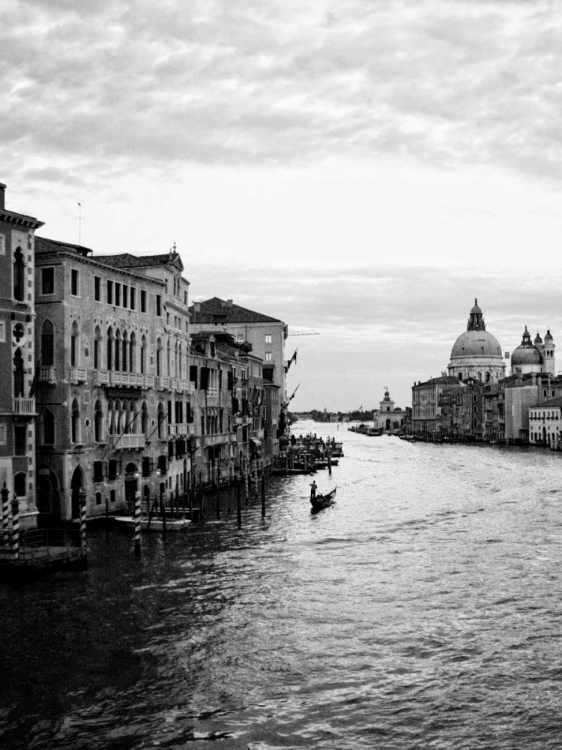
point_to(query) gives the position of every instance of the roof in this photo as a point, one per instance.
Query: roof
(44, 245)
(476, 344)
(14, 218)
(216, 310)
(549, 404)
(127, 260)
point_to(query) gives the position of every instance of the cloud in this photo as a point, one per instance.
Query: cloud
(252, 82)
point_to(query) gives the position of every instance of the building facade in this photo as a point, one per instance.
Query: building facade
(18, 472)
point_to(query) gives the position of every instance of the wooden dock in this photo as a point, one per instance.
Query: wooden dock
(40, 550)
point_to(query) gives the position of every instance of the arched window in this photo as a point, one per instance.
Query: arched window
(133, 418)
(118, 418)
(19, 374)
(20, 484)
(75, 422)
(19, 276)
(133, 353)
(98, 422)
(126, 418)
(143, 355)
(74, 343)
(168, 359)
(110, 348)
(48, 427)
(110, 418)
(158, 356)
(180, 362)
(117, 350)
(47, 344)
(144, 419)
(161, 421)
(125, 350)
(97, 348)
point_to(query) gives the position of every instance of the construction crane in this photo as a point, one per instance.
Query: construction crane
(301, 332)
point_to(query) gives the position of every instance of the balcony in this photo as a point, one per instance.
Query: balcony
(24, 406)
(182, 429)
(48, 375)
(102, 377)
(126, 379)
(77, 375)
(148, 381)
(127, 442)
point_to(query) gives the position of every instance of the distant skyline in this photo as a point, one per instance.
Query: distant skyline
(361, 168)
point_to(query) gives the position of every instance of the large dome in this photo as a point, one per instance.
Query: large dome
(476, 344)
(476, 353)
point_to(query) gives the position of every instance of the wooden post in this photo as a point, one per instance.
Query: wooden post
(15, 529)
(218, 497)
(5, 508)
(137, 516)
(82, 501)
(106, 513)
(238, 503)
(263, 495)
(330, 464)
(163, 510)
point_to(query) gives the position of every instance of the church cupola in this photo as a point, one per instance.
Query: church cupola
(476, 319)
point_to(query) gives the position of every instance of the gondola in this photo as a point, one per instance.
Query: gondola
(319, 502)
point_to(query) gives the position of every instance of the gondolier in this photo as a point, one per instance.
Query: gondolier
(313, 488)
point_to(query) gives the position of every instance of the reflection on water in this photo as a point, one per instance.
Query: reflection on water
(422, 610)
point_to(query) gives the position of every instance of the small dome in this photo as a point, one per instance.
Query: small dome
(548, 336)
(538, 339)
(526, 353)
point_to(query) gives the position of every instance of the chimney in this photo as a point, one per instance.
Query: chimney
(196, 307)
(229, 303)
(2, 196)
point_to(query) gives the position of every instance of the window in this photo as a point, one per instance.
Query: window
(133, 296)
(97, 348)
(268, 338)
(74, 285)
(3, 434)
(2, 245)
(47, 281)
(48, 427)
(19, 274)
(117, 293)
(125, 295)
(47, 344)
(2, 331)
(20, 484)
(110, 292)
(74, 345)
(143, 300)
(99, 471)
(20, 434)
(97, 288)
(268, 356)
(158, 305)
(19, 374)
(98, 422)
(75, 423)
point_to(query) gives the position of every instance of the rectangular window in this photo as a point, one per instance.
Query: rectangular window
(20, 447)
(47, 281)
(3, 434)
(268, 356)
(133, 297)
(2, 244)
(117, 294)
(74, 285)
(268, 338)
(2, 332)
(125, 295)
(110, 292)
(158, 305)
(97, 288)
(143, 300)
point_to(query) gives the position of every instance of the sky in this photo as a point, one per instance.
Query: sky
(360, 169)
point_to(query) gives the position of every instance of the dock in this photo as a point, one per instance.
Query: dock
(40, 550)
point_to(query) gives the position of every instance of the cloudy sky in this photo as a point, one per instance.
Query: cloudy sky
(359, 168)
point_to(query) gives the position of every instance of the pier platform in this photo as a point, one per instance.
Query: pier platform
(40, 550)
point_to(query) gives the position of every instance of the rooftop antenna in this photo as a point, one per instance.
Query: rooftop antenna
(79, 224)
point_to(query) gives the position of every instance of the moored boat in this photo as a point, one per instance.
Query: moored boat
(156, 523)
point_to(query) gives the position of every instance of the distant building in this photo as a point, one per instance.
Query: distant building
(545, 424)
(537, 356)
(476, 353)
(388, 417)
(18, 471)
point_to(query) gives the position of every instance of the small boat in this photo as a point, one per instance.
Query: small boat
(156, 523)
(319, 502)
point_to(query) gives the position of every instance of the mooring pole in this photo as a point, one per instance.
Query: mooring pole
(82, 503)
(238, 503)
(15, 529)
(137, 523)
(263, 495)
(5, 508)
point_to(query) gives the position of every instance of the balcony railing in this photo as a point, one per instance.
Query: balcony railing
(48, 375)
(127, 442)
(77, 375)
(24, 406)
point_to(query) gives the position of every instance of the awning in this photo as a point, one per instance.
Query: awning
(255, 441)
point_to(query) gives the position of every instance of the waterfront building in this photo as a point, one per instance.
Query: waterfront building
(17, 364)
(389, 417)
(476, 353)
(266, 336)
(428, 399)
(113, 388)
(545, 424)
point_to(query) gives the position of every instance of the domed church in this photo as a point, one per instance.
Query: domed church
(536, 356)
(476, 353)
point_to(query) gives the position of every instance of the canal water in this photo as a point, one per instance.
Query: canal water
(423, 610)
